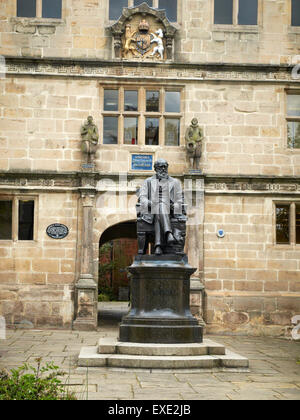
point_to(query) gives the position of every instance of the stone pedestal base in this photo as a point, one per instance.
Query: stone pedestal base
(205, 355)
(86, 303)
(160, 310)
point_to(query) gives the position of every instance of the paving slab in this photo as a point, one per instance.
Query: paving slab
(273, 373)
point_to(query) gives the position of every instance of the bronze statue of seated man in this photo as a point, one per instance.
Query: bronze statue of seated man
(161, 212)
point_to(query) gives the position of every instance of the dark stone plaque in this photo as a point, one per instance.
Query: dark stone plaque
(57, 231)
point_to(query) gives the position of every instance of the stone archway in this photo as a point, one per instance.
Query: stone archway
(125, 229)
(117, 248)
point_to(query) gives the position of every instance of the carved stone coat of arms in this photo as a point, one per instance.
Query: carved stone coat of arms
(142, 42)
(143, 32)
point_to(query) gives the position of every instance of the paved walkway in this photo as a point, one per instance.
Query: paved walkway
(274, 373)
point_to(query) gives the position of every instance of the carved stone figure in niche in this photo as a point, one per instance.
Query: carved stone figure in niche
(159, 49)
(193, 138)
(161, 213)
(89, 139)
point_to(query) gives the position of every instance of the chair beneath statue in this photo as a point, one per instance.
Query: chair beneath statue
(146, 233)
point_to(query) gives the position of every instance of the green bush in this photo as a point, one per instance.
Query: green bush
(103, 297)
(30, 383)
(106, 294)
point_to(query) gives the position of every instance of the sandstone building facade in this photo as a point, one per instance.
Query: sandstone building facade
(231, 64)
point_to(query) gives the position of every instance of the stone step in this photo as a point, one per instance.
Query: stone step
(207, 347)
(90, 357)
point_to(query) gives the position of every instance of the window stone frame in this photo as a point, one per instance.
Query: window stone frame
(15, 216)
(141, 113)
(292, 222)
(290, 118)
(31, 24)
(236, 27)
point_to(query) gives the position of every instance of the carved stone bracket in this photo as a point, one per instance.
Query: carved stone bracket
(134, 34)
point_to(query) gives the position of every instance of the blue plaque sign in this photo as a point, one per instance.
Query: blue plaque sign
(141, 162)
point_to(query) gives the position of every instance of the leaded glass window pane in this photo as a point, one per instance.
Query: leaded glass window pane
(295, 13)
(130, 130)
(172, 101)
(293, 129)
(297, 223)
(282, 224)
(111, 100)
(152, 131)
(5, 219)
(152, 101)
(52, 9)
(172, 129)
(223, 12)
(293, 105)
(247, 12)
(110, 130)
(130, 100)
(170, 6)
(138, 2)
(26, 220)
(26, 8)
(116, 7)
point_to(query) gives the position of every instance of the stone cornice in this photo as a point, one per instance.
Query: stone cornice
(139, 71)
(79, 181)
(259, 184)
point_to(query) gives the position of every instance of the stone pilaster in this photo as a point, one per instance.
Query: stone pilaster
(86, 286)
(194, 195)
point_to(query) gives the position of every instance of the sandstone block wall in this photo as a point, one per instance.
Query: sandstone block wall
(252, 284)
(41, 122)
(82, 33)
(244, 128)
(37, 277)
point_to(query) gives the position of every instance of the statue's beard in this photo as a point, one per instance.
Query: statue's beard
(162, 174)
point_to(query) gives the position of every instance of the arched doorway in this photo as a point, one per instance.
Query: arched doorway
(117, 248)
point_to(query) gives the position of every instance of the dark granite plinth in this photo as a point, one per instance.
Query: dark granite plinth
(160, 309)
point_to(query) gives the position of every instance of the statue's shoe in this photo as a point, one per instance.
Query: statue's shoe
(158, 250)
(170, 239)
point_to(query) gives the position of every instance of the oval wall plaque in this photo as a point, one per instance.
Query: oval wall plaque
(57, 231)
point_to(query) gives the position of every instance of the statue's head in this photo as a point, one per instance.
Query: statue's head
(90, 119)
(194, 122)
(161, 168)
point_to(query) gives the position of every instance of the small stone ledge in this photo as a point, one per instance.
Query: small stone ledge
(243, 29)
(33, 26)
(208, 347)
(37, 21)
